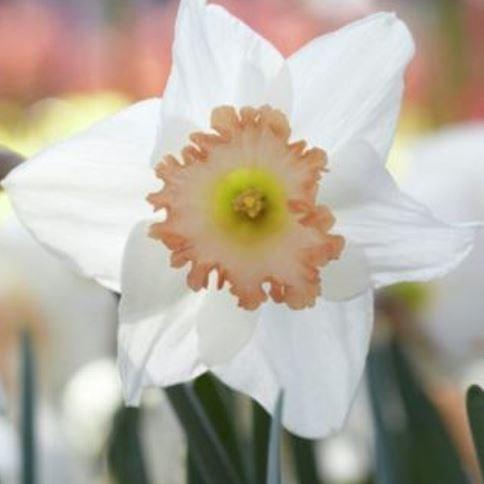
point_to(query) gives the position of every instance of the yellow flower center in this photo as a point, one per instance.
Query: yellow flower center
(248, 205)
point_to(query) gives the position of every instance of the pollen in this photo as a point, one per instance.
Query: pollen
(241, 202)
(250, 203)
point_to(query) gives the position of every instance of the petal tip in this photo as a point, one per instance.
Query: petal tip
(392, 21)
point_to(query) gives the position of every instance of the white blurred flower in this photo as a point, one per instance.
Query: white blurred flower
(78, 316)
(347, 457)
(89, 402)
(246, 203)
(55, 461)
(446, 172)
(164, 440)
(473, 374)
(73, 320)
(9, 452)
(343, 461)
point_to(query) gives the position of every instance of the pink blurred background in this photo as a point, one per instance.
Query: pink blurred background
(53, 47)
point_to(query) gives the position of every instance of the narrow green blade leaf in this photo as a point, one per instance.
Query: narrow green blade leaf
(413, 444)
(304, 460)
(274, 457)
(125, 454)
(261, 424)
(475, 412)
(193, 476)
(217, 404)
(392, 460)
(434, 457)
(28, 410)
(209, 456)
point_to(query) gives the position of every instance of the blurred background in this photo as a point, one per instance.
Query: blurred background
(67, 63)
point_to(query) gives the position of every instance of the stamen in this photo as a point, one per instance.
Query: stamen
(251, 203)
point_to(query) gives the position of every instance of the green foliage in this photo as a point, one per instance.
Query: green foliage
(304, 460)
(207, 453)
(475, 411)
(261, 424)
(125, 453)
(193, 476)
(217, 401)
(414, 294)
(274, 454)
(27, 379)
(413, 444)
(206, 413)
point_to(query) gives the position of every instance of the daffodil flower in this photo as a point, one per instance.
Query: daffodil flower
(274, 217)
(446, 172)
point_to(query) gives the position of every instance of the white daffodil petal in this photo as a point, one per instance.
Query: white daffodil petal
(175, 136)
(81, 197)
(149, 283)
(223, 327)
(316, 356)
(217, 60)
(401, 239)
(347, 276)
(157, 338)
(356, 176)
(349, 83)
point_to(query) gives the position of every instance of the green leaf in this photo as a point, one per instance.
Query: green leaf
(209, 456)
(125, 454)
(217, 402)
(274, 455)
(390, 439)
(434, 457)
(304, 460)
(475, 412)
(193, 476)
(27, 366)
(413, 444)
(261, 424)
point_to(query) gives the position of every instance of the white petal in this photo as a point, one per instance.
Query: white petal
(157, 339)
(81, 197)
(316, 356)
(349, 83)
(172, 139)
(216, 60)
(401, 239)
(347, 276)
(223, 327)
